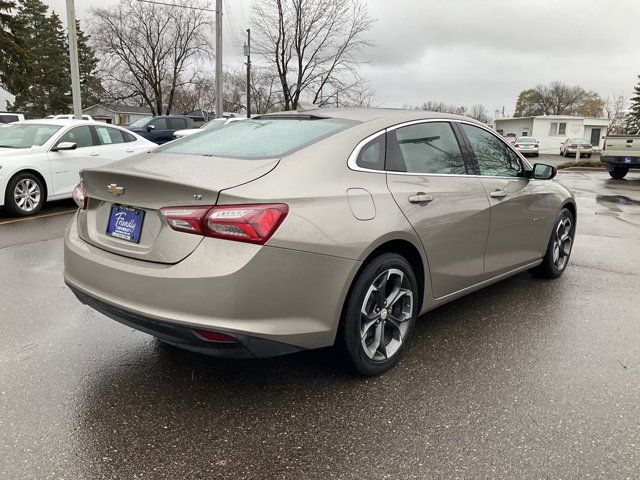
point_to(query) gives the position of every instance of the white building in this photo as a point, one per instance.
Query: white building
(552, 130)
(117, 114)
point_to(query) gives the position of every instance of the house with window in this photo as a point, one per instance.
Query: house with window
(117, 114)
(552, 130)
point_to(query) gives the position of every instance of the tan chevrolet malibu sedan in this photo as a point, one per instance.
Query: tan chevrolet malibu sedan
(303, 230)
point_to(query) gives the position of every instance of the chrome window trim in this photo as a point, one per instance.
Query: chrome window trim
(352, 161)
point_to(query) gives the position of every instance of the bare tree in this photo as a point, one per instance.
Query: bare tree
(149, 51)
(479, 112)
(314, 45)
(442, 107)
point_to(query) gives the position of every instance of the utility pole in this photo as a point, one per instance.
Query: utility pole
(73, 58)
(219, 99)
(247, 53)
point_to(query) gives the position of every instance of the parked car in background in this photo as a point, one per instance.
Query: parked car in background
(296, 231)
(211, 124)
(40, 160)
(527, 146)
(570, 146)
(10, 117)
(160, 129)
(621, 153)
(68, 117)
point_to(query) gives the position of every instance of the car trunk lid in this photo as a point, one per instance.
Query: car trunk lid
(149, 182)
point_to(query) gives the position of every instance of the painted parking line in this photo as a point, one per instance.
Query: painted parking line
(28, 219)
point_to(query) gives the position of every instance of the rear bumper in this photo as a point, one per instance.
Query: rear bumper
(183, 337)
(573, 151)
(529, 151)
(610, 161)
(247, 291)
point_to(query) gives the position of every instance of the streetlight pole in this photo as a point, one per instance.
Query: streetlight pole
(73, 58)
(247, 52)
(219, 99)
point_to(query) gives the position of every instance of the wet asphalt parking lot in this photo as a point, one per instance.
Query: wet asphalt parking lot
(524, 379)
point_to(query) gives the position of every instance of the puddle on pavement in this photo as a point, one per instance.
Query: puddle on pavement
(619, 199)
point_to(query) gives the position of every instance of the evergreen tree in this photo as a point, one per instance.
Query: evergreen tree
(90, 84)
(632, 123)
(48, 85)
(11, 48)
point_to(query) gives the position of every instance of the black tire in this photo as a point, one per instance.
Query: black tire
(350, 337)
(618, 172)
(12, 206)
(549, 268)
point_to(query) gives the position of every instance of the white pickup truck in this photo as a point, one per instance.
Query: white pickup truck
(620, 153)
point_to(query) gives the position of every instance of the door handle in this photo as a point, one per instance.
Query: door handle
(420, 198)
(94, 153)
(498, 194)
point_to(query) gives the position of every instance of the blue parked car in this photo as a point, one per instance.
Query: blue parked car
(160, 129)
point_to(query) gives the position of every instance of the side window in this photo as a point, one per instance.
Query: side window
(109, 136)
(128, 137)
(372, 154)
(159, 123)
(177, 123)
(429, 147)
(494, 157)
(81, 136)
(8, 118)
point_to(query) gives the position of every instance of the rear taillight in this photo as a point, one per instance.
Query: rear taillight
(517, 146)
(245, 223)
(80, 197)
(535, 146)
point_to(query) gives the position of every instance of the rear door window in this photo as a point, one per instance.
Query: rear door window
(177, 123)
(109, 136)
(429, 147)
(258, 138)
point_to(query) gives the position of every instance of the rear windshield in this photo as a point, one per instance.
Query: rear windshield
(581, 141)
(258, 138)
(526, 140)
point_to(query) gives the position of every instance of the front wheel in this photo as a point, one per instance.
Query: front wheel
(379, 314)
(618, 172)
(559, 247)
(24, 195)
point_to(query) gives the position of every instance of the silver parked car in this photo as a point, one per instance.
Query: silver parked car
(569, 148)
(527, 146)
(303, 230)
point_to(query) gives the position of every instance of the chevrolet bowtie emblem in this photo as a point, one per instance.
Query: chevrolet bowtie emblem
(115, 190)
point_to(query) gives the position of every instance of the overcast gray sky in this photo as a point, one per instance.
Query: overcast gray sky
(478, 51)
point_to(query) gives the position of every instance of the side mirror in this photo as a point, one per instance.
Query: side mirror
(542, 171)
(150, 127)
(65, 146)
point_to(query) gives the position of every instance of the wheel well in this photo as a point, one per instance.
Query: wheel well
(36, 174)
(411, 253)
(572, 208)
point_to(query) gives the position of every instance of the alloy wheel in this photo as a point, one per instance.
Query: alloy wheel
(27, 195)
(562, 243)
(385, 315)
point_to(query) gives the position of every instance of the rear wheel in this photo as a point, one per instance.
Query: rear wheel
(24, 195)
(379, 314)
(559, 247)
(618, 172)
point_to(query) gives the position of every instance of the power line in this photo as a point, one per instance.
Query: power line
(202, 9)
